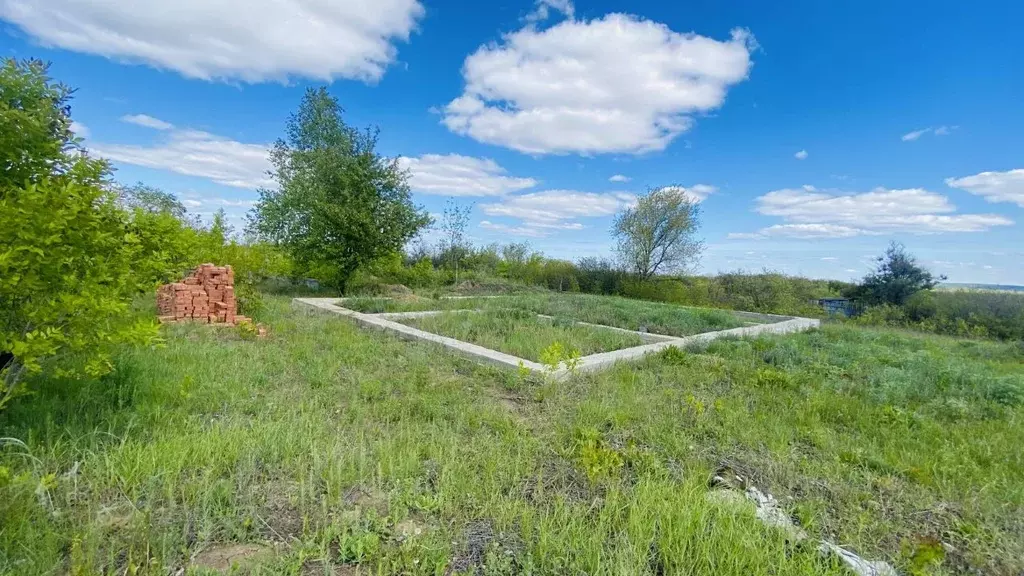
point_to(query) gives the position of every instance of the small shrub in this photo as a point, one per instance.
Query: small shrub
(780, 354)
(250, 300)
(364, 284)
(772, 379)
(1006, 391)
(247, 330)
(594, 455)
(554, 355)
(674, 356)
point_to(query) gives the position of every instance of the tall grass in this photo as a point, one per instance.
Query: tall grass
(522, 333)
(351, 447)
(614, 311)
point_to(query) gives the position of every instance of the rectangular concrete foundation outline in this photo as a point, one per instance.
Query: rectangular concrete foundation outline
(594, 362)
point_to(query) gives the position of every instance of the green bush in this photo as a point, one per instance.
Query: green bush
(75, 250)
(68, 253)
(1008, 391)
(67, 277)
(772, 379)
(974, 314)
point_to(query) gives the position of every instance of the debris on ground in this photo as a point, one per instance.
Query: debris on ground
(859, 565)
(730, 488)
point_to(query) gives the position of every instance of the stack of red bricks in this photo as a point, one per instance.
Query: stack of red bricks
(207, 295)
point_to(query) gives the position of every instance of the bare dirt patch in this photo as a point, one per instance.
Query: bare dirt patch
(227, 556)
(557, 477)
(478, 535)
(409, 528)
(281, 520)
(485, 548)
(365, 498)
(516, 406)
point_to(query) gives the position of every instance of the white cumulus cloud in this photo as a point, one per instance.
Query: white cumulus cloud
(993, 186)
(552, 207)
(527, 231)
(697, 192)
(247, 40)
(543, 9)
(619, 83)
(213, 203)
(80, 130)
(197, 153)
(801, 155)
(619, 178)
(801, 231)
(147, 121)
(455, 175)
(810, 213)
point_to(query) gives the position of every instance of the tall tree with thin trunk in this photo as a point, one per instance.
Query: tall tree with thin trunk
(658, 233)
(339, 204)
(453, 226)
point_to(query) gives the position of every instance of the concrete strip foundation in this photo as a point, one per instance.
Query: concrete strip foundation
(645, 336)
(604, 360)
(409, 333)
(592, 363)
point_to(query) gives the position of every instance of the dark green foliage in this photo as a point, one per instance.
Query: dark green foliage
(599, 276)
(339, 204)
(675, 356)
(971, 313)
(150, 199)
(35, 124)
(962, 313)
(897, 278)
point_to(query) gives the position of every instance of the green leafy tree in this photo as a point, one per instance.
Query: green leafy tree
(35, 124)
(454, 247)
(895, 279)
(172, 246)
(67, 251)
(339, 204)
(153, 200)
(658, 234)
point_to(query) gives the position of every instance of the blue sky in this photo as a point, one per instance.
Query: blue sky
(812, 132)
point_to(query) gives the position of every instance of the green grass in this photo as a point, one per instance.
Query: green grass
(658, 318)
(413, 303)
(522, 333)
(352, 447)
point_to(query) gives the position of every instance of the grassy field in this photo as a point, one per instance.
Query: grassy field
(522, 333)
(657, 318)
(327, 449)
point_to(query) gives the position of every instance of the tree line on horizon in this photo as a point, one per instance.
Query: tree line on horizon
(77, 247)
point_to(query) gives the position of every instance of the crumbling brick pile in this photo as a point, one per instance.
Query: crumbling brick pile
(207, 295)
